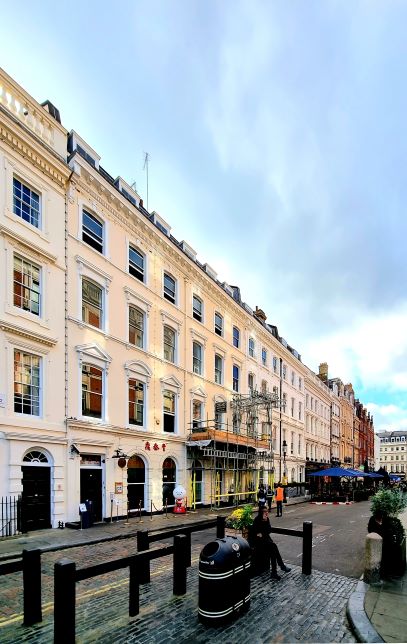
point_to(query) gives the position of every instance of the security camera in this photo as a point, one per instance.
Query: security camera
(75, 449)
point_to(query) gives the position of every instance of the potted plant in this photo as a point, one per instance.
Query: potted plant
(241, 519)
(391, 503)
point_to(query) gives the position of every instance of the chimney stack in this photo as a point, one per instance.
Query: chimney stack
(260, 314)
(323, 372)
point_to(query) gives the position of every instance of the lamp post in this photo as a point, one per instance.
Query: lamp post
(284, 481)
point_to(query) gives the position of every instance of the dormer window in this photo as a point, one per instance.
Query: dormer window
(77, 144)
(92, 231)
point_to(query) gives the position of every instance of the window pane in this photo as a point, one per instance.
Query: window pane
(92, 231)
(236, 337)
(169, 288)
(218, 324)
(169, 344)
(26, 203)
(136, 264)
(26, 285)
(136, 402)
(26, 383)
(92, 391)
(197, 308)
(136, 327)
(92, 304)
(197, 358)
(169, 411)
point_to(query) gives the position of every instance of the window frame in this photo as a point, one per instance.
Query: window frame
(171, 414)
(219, 379)
(167, 294)
(251, 347)
(24, 353)
(194, 358)
(91, 364)
(196, 314)
(218, 328)
(143, 330)
(170, 328)
(85, 278)
(235, 379)
(264, 356)
(24, 260)
(138, 274)
(236, 337)
(130, 380)
(92, 235)
(27, 186)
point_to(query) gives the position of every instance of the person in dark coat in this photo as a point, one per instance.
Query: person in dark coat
(269, 496)
(261, 496)
(260, 540)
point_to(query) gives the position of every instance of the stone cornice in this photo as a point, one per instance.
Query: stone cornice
(27, 244)
(26, 333)
(47, 163)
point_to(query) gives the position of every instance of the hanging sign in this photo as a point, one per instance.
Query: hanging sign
(220, 407)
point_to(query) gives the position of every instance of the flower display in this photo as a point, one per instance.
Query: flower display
(240, 518)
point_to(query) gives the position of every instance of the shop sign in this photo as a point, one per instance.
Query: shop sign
(90, 459)
(118, 488)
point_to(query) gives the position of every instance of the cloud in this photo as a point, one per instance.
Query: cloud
(301, 102)
(388, 417)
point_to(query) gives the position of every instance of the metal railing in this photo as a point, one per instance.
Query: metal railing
(10, 516)
(66, 574)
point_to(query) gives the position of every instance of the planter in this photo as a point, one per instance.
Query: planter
(232, 532)
(394, 559)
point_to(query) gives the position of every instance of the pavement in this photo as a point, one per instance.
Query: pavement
(378, 612)
(322, 607)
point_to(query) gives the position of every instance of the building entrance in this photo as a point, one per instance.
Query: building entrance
(36, 498)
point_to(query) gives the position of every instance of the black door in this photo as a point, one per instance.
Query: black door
(91, 490)
(36, 498)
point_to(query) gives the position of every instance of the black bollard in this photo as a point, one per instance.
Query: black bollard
(64, 601)
(307, 548)
(220, 527)
(180, 565)
(32, 586)
(144, 567)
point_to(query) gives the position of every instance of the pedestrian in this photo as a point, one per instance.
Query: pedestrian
(261, 496)
(263, 544)
(279, 493)
(269, 496)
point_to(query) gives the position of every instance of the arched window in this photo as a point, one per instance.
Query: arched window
(136, 479)
(169, 481)
(35, 457)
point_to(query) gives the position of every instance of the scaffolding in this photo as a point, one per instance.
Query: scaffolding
(236, 456)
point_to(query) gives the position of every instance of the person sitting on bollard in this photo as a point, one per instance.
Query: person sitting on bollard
(263, 544)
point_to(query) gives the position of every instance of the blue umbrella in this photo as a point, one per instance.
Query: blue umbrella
(338, 471)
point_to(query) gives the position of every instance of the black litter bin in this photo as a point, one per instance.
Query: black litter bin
(224, 580)
(84, 519)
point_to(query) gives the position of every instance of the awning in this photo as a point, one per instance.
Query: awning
(204, 443)
(338, 471)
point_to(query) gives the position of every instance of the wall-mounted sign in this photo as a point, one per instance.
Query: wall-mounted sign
(2, 400)
(220, 407)
(90, 459)
(118, 488)
(82, 507)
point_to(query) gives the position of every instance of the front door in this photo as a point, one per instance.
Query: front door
(91, 490)
(36, 498)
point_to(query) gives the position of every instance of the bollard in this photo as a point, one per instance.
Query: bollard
(188, 549)
(134, 590)
(220, 527)
(307, 548)
(373, 558)
(32, 586)
(180, 565)
(144, 567)
(64, 601)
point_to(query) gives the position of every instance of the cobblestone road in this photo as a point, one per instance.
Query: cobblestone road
(295, 609)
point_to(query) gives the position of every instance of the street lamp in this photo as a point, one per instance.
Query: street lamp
(284, 465)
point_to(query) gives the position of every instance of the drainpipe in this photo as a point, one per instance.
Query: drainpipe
(280, 419)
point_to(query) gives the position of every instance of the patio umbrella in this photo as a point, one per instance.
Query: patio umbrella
(338, 471)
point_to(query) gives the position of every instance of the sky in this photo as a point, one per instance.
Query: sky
(277, 142)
